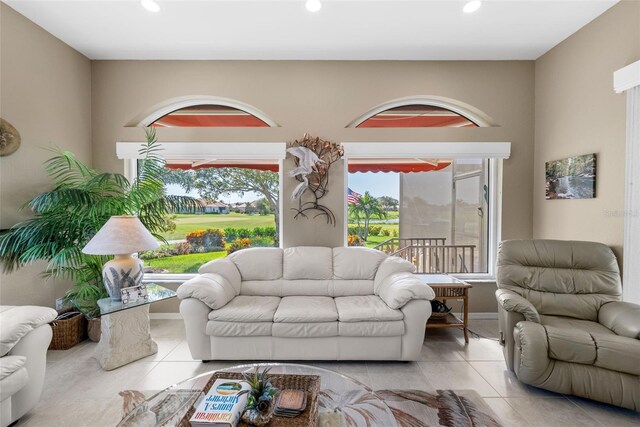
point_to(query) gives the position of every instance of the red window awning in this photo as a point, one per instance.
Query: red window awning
(408, 166)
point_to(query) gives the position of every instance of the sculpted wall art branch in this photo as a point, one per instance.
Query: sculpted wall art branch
(313, 158)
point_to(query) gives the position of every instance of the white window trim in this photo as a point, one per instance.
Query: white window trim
(496, 152)
(476, 116)
(174, 104)
(627, 80)
(129, 152)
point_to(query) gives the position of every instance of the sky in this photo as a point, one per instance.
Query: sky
(378, 184)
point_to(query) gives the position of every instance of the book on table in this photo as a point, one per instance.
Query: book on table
(222, 406)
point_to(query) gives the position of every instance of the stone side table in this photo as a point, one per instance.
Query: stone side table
(126, 334)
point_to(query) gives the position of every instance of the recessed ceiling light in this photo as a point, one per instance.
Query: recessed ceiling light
(150, 5)
(313, 5)
(472, 6)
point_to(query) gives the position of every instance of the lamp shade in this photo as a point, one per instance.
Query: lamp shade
(121, 235)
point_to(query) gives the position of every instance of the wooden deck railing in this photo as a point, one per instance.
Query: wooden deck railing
(395, 244)
(430, 259)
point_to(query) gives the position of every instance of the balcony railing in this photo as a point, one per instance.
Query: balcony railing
(395, 244)
(431, 254)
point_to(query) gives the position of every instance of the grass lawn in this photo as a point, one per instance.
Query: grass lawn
(188, 223)
(184, 263)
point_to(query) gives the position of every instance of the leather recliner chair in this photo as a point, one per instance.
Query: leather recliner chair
(562, 324)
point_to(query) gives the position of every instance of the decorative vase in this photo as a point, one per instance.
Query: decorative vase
(256, 418)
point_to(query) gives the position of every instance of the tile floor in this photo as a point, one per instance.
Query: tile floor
(78, 393)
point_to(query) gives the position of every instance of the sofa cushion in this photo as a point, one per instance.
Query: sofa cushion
(365, 308)
(10, 364)
(571, 323)
(18, 321)
(620, 354)
(297, 309)
(258, 263)
(590, 343)
(371, 329)
(571, 345)
(244, 308)
(305, 329)
(238, 329)
(356, 263)
(307, 262)
(307, 287)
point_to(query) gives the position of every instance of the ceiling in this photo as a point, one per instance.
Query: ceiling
(285, 30)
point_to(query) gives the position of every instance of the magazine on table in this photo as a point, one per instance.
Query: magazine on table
(222, 406)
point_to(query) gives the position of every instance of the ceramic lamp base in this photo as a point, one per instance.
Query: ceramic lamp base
(122, 272)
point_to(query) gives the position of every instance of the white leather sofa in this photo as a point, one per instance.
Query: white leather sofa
(25, 335)
(306, 303)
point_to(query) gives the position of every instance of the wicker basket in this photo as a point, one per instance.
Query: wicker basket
(69, 329)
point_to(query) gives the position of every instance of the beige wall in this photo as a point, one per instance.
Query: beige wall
(577, 112)
(45, 92)
(321, 98)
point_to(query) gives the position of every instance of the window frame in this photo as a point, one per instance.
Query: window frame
(129, 153)
(495, 152)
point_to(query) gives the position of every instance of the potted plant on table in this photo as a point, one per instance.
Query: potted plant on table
(259, 409)
(79, 204)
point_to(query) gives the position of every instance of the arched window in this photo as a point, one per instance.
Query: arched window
(209, 115)
(416, 116)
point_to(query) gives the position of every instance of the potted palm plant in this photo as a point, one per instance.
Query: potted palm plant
(79, 204)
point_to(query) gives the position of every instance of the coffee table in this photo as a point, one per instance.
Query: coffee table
(340, 397)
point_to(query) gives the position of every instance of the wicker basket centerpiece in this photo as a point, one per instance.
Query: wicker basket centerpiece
(309, 383)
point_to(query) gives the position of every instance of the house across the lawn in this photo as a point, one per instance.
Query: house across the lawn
(214, 207)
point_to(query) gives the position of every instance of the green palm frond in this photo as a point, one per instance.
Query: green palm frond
(80, 202)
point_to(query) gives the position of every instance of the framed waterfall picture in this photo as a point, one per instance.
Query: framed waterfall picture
(571, 178)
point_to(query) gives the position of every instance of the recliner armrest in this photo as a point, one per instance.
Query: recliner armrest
(210, 288)
(623, 318)
(396, 290)
(510, 301)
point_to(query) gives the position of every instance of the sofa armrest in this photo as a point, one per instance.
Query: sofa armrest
(623, 318)
(398, 289)
(391, 265)
(225, 268)
(531, 359)
(212, 289)
(510, 301)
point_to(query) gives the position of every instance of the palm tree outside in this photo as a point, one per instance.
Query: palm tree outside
(363, 210)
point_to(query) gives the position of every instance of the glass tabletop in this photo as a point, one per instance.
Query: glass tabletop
(339, 394)
(155, 293)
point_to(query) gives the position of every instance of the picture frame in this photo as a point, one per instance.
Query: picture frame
(134, 294)
(571, 177)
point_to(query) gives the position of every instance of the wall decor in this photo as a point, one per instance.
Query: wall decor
(9, 138)
(313, 158)
(571, 178)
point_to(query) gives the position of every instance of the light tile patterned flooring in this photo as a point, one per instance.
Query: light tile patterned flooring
(78, 393)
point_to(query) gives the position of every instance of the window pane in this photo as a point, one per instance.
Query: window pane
(419, 116)
(231, 218)
(442, 217)
(209, 116)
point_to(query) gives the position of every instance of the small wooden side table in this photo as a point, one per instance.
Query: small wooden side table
(449, 288)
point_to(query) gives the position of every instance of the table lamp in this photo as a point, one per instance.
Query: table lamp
(121, 236)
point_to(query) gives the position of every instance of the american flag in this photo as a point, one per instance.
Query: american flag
(352, 197)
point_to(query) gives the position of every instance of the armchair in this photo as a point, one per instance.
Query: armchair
(562, 324)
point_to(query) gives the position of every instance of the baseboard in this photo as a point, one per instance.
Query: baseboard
(483, 316)
(165, 316)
